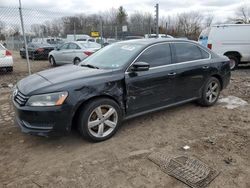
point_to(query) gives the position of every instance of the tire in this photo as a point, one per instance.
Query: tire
(209, 95)
(92, 123)
(76, 61)
(52, 61)
(234, 62)
(9, 69)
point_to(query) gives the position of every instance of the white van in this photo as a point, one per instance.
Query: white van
(231, 40)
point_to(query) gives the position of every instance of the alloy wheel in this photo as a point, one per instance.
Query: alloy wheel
(212, 92)
(102, 121)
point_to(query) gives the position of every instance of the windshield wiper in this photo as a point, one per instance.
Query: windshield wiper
(90, 66)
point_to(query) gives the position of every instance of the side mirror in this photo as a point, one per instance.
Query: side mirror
(140, 66)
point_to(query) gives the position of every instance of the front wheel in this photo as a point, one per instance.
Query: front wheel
(99, 119)
(52, 61)
(210, 92)
(76, 61)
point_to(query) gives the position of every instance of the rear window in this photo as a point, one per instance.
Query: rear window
(90, 45)
(188, 52)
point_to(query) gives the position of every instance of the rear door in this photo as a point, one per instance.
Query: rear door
(192, 69)
(71, 53)
(59, 54)
(150, 89)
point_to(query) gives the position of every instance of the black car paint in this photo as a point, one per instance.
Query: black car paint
(135, 92)
(34, 53)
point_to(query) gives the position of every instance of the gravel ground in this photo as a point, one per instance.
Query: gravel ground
(217, 135)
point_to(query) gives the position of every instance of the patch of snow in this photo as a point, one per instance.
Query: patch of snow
(232, 102)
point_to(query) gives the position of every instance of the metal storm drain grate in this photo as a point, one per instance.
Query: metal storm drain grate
(189, 170)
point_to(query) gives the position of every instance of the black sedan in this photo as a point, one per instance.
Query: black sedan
(121, 81)
(37, 50)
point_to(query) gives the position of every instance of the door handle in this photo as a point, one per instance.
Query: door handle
(205, 67)
(172, 74)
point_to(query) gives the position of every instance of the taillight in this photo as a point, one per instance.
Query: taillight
(88, 53)
(40, 50)
(209, 46)
(8, 53)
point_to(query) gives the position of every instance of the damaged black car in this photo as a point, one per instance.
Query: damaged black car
(120, 81)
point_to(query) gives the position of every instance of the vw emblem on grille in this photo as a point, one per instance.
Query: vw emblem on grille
(15, 91)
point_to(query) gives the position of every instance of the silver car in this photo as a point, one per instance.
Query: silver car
(72, 52)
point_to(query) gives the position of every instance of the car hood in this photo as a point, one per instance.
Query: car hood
(59, 75)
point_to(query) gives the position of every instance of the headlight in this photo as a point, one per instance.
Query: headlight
(50, 99)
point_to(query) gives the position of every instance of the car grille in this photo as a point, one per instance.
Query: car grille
(20, 98)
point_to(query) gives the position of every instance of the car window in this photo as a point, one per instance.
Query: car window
(113, 56)
(90, 45)
(73, 46)
(30, 45)
(205, 54)
(64, 46)
(157, 55)
(187, 52)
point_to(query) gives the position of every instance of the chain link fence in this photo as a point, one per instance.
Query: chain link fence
(46, 30)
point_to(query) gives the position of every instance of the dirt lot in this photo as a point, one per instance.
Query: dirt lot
(218, 135)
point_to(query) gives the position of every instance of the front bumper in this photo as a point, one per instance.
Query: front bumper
(43, 121)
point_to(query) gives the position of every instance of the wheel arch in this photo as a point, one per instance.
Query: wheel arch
(81, 104)
(234, 53)
(220, 79)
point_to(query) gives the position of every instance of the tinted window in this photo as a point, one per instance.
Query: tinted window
(113, 56)
(73, 46)
(64, 46)
(187, 52)
(90, 45)
(156, 55)
(204, 54)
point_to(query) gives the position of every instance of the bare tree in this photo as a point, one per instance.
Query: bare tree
(208, 20)
(242, 15)
(140, 23)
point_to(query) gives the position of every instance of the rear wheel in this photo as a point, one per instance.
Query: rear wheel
(52, 61)
(210, 92)
(99, 119)
(234, 62)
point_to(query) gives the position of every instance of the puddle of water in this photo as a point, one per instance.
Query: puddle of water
(232, 102)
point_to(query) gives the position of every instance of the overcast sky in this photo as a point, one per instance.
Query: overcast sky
(221, 9)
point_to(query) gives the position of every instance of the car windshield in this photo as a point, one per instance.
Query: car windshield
(114, 56)
(90, 45)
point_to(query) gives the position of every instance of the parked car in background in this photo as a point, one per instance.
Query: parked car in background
(131, 37)
(6, 60)
(72, 52)
(120, 81)
(37, 50)
(109, 41)
(231, 40)
(72, 37)
(54, 41)
(87, 39)
(148, 36)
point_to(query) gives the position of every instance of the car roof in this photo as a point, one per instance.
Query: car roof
(148, 42)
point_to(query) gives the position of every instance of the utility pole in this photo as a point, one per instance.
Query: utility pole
(24, 37)
(101, 32)
(157, 19)
(74, 30)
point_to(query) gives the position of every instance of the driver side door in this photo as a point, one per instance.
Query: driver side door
(154, 88)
